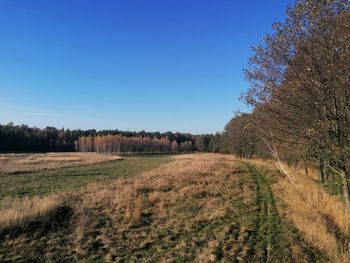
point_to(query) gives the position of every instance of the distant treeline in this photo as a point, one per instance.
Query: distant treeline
(123, 144)
(22, 139)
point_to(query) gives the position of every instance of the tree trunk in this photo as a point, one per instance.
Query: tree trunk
(325, 170)
(345, 189)
(322, 166)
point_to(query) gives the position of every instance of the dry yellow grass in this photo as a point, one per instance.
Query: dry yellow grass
(19, 212)
(31, 162)
(174, 198)
(319, 216)
(198, 207)
(183, 177)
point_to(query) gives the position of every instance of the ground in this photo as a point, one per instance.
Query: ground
(41, 182)
(17, 163)
(187, 208)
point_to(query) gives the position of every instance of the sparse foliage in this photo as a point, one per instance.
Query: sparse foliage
(300, 84)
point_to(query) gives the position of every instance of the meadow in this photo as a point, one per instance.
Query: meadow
(40, 178)
(16, 163)
(183, 208)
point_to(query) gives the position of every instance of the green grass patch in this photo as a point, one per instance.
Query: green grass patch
(46, 182)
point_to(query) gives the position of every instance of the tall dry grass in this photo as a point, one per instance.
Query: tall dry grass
(15, 212)
(173, 198)
(319, 216)
(31, 162)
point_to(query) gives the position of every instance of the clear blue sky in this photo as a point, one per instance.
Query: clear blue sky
(131, 65)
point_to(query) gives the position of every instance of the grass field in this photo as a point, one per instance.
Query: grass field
(16, 163)
(38, 182)
(185, 208)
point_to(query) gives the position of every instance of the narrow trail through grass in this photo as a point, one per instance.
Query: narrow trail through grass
(273, 239)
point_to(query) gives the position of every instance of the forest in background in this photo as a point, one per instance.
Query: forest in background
(24, 139)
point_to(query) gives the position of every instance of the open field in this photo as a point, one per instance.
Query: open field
(185, 208)
(13, 163)
(43, 182)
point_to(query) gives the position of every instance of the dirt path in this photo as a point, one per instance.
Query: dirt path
(272, 238)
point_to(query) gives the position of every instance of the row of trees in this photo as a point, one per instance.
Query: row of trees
(300, 91)
(123, 144)
(21, 138)
(25, 139)
(208, 143)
